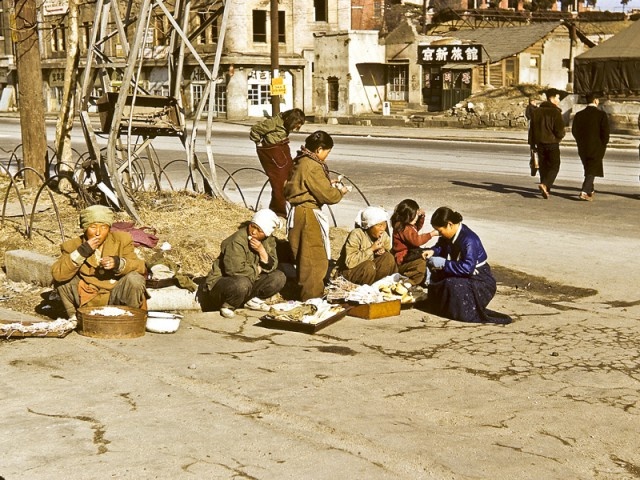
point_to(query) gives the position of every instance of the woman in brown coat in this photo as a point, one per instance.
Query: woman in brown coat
(308, 189)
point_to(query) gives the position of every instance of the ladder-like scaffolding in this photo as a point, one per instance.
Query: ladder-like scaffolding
(132, 117)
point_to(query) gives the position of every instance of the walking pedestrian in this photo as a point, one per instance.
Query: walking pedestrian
(528, 112)
(308, 189)
(545, 133)
(531, 106)
(271, 137)
(591, 130)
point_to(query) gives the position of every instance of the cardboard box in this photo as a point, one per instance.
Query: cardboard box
(376, 310)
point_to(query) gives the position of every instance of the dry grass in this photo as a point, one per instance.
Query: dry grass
(193, 224)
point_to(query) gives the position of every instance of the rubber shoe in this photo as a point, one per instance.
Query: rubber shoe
(257, 304)
(584, 196)
(227, 312)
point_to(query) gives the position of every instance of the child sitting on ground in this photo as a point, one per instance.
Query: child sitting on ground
(407, 220)
(365, 257)
(246, 270)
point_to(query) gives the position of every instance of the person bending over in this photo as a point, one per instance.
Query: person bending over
(271, 137)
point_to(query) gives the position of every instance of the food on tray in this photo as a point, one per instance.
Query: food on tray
(110, 312)
(312, 311)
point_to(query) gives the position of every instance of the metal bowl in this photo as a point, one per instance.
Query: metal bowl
(162, 322)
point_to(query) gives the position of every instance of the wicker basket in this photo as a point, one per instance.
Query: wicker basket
(109, 326)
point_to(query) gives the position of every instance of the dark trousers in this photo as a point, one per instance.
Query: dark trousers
(371, 271)
(235, 291)
(587, 185)
(415, 270)
(549, 163)
(277, 164)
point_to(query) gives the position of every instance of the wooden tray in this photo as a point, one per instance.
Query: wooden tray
(371, 311)
(311, 328)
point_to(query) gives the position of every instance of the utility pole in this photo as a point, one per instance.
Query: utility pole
(275, 56)
(30, 98)
(425, 4)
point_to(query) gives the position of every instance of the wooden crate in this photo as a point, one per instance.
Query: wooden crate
(376, 310)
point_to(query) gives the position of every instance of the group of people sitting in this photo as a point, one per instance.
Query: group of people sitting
(455, 270)
(101, 267)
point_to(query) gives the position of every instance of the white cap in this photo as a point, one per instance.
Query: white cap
(267, 220)
(371, 216)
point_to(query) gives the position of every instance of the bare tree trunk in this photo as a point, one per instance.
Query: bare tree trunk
(67, 111)
(30, 98)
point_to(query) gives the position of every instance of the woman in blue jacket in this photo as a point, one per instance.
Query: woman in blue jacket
(461, 284)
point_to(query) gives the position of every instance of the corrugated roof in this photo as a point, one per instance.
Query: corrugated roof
(623, 45)
(505, 42)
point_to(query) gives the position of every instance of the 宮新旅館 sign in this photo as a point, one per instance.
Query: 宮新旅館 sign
(450, 54)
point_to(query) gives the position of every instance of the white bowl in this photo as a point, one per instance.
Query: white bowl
(161, 322)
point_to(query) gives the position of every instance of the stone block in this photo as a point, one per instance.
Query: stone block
(29, 267)
(172, 298)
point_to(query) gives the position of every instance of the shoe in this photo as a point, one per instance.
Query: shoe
(534, 171)
(584, 196)
(543, 190)
(227, 312)
(257, 304)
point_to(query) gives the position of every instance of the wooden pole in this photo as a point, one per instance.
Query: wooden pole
(275, 57)
(30, 97)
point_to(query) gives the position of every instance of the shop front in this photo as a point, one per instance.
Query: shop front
(447, 74)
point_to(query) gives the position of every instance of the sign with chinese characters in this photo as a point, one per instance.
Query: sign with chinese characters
(450, 54)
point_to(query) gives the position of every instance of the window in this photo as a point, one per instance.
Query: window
(260, 26)
(209, 34)
(320, 7)
(1, 20)
(281, 28)
(85, 36)
(162, 30)
(58, 38)
(377, 9)
(333, 90)
(259, 94)
(509, 72)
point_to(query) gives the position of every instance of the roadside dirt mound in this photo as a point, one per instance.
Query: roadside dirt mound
(510, 100)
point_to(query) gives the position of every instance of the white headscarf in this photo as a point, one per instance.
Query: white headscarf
(371, 216)
(267, 220)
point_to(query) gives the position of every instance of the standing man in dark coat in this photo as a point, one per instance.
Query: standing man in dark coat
(545, 132)
(591, 130)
